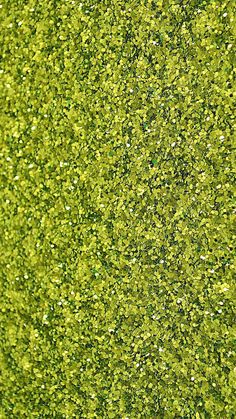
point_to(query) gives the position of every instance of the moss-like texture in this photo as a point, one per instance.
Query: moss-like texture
(117, 197)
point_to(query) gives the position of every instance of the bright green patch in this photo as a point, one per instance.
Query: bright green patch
(117, 189)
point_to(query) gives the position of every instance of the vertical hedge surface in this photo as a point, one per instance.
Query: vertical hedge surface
(117, 189)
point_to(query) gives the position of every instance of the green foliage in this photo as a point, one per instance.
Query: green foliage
(117, 262)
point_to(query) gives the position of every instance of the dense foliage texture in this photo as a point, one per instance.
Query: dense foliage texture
(117, 209)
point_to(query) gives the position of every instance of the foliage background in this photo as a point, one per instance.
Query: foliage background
(117, 209)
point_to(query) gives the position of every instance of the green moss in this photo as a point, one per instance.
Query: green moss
(117, 209)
